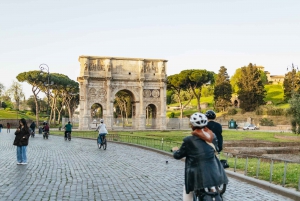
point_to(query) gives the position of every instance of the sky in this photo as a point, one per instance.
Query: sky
(190, 34)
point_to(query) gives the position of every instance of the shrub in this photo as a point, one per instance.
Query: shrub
(243, 111)
(232, 111)
(172, 115)
(275, 111)
(266, 122)
(29, 113)
(259, 111)
(8, 109)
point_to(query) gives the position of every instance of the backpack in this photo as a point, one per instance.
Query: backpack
(211, 196)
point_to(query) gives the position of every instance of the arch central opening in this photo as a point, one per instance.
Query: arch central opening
(124, 109)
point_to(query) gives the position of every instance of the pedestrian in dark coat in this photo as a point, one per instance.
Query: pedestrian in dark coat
(8, 127)
(21, 141)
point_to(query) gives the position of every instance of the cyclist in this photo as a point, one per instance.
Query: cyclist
(46, 128)
(68, 129)
(215, 127)
(202, 168)
(32, 126)
(102, 130)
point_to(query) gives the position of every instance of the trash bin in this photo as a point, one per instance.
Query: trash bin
(232, 124)
(40, 130)
(59, 128)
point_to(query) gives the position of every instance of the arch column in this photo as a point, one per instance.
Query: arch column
(84, 120)
(163, 95)
(109, 109)
(142, 109)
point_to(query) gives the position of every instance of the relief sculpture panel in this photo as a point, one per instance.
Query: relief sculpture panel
(151, 93)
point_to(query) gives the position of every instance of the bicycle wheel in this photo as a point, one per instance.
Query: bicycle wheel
(196, 196)
(221, 189)
(98, 144)
(104, 144)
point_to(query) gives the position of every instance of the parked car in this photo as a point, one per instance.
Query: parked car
(250, 127)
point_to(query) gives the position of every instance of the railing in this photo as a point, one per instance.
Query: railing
(284, 172)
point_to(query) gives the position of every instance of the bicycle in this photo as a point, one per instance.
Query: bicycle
(32, 133)
(68, 136)
(203, 195)
(103, 142)
(46, 134)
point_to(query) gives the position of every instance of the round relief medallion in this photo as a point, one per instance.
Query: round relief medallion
(147, 93)
(155, 93)
(102, 92)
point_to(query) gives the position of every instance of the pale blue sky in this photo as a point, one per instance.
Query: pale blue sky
(190, 34)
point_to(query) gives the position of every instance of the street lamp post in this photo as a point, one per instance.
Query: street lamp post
(45, 68)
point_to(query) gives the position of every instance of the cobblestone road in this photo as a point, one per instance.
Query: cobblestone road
(78, 170)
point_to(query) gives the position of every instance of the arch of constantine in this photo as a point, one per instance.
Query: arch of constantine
(101, 79)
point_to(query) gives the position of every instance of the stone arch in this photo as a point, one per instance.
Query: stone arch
(151, 116)
(124, 112)
(101, 78)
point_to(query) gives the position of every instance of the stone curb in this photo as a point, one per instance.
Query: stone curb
(266, 185)
(256, 182)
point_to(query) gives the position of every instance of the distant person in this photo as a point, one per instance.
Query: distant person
(1, 126)
(21, 141)
(68, 129)
(8, 127)
(32, 126)
(46, 127)
(102, 130)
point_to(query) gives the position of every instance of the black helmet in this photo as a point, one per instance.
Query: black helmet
(210, 114)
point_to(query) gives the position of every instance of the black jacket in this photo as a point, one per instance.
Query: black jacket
(22, 137)
(202, 168)
(216, 128)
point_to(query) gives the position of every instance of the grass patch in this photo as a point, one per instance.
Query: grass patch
(13, 114)
(261, 170)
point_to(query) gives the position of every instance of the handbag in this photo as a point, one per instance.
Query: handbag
(224, 163)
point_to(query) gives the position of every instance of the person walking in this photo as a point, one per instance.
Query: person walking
(1, 126)
(8, 127)
(102, 130)
(202, 168)
(21, 141)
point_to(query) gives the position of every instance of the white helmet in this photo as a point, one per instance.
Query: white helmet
(198, 119)
(101, 121)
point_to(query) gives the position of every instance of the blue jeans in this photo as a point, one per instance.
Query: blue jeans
(99, 137)
(21, 154)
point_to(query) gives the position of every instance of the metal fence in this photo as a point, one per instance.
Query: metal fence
(285, 171)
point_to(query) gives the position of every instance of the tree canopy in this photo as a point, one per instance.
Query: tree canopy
(194, 79)
(223, 90)
(251, 89)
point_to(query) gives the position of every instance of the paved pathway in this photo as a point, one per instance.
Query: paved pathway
(78, 170)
